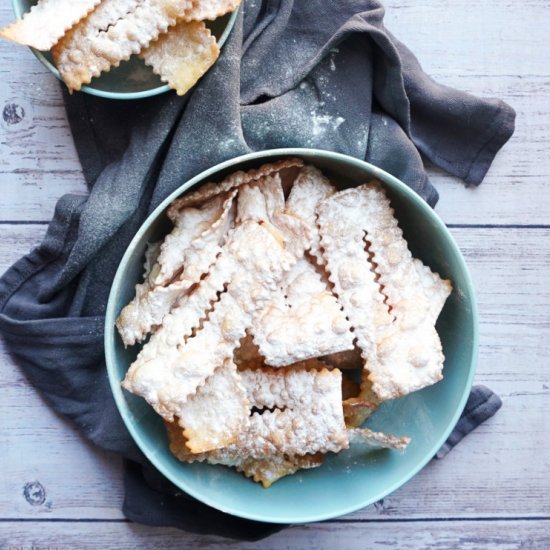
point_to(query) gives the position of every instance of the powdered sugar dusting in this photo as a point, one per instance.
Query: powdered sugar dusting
(322, 123)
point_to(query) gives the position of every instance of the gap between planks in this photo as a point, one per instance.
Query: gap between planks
(448, 225)
(328, 521)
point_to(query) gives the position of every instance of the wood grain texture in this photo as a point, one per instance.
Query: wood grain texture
(452, 535)
(509, 268)
(515, 190)
(492, 490)
(490, 38)
(38, 162)
(486, 51)
(491, 51)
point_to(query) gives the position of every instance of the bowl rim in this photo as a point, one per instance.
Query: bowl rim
(16, 6)
(266, 156)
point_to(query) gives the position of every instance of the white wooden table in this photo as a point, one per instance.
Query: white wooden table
(493, 490)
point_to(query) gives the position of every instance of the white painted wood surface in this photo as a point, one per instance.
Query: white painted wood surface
(493, 490)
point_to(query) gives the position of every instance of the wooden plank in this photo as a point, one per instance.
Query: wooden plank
(78, 480)
(515, 190)
(43, 451)
(18, 240)
(509, 269)
(38, 162)
(492, 51)
(446, 535)
(495, 38)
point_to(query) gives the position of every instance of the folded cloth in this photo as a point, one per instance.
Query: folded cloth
(482, 404)
(293, 74)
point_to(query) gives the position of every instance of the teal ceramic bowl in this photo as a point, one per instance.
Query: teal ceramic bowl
(132, 79)
(354, 478)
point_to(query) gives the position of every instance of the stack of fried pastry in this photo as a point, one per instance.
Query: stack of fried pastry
(89, 37)
(271, 292)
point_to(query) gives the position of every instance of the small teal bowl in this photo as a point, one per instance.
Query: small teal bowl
(354, 478)
(132, 79)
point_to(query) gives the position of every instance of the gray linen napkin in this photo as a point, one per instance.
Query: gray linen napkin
(293, 74)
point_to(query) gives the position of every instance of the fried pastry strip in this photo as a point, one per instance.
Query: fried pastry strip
(191, 311)
(195, 231)
(303, 321)
(297, 234)
(305, 404)
(181, 56)
(310, 187)
(300, 413)
(47, 21)
(236, 179)
(194, 244)
(265, 471)
(167, 380)
(393, 262)
(413, 351)
(402, 349)
(114, 31)
(350, 272)
(217, 413)
(350, 359)
(359, 407)
(269, 470)
(299, 393)
(436, 290)
(377, 439)
(210, 9)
